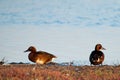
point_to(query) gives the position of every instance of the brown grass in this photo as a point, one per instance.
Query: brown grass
(57, 72)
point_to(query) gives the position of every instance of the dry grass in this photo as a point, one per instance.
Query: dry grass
(57, 72)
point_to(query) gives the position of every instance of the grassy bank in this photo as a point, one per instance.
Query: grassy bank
(57, 72)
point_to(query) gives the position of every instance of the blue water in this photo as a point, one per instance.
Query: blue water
(68, 29)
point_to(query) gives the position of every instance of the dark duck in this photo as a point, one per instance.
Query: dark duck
(97, 56)
(39, 57)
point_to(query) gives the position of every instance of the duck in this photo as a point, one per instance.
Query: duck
(97, 56)
(39, 57)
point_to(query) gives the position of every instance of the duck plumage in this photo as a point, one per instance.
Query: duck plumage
(40, 57)
(97, 56)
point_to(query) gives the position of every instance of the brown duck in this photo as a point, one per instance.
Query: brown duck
(39, 57)
(97, 56)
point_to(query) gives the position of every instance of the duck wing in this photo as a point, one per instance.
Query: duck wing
(43, 57)
(45, 54)
(94, 56)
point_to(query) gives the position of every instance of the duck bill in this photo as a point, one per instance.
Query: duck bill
(103, 48)
(26, 50)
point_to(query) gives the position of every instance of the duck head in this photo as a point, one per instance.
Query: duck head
(31, 49)
(99, 47)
